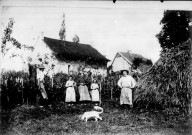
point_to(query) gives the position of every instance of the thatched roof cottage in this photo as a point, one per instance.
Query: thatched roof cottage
(71, 57)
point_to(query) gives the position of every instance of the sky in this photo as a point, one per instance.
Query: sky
(108, 27)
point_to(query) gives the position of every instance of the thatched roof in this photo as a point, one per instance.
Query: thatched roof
(131, 56)
(65, 50)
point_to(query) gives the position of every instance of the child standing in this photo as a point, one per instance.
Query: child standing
(95, 91)
(70, 92)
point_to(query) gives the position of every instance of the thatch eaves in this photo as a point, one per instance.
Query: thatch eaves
(65, 50)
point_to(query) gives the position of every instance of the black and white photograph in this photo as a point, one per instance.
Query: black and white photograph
(101, 67)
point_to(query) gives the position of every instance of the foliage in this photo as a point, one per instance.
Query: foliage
(62, 32)
(11, 48)
(175, 28)
(8, 38)
(60, 79)
(28, 47)
(45, 59)
(110, 88)
(138, 61)
(148, 62)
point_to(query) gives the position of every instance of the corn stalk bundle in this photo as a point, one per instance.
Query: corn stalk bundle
(168, 83)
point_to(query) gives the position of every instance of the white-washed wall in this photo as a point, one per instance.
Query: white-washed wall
(120, 64)
(74, 68)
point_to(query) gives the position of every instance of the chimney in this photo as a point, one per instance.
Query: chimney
(42, 35)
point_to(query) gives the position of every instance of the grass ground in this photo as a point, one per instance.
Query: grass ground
(61, 119)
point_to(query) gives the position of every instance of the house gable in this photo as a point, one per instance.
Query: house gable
(120, 63)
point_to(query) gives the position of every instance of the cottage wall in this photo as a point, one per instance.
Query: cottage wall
(75, 68)
(41, 48)
(67, 67)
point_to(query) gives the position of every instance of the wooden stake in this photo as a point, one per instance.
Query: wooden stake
(100, 94)
(22, 89)
(52, 81)
(111, 93)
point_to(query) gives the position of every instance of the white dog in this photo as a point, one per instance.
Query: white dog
(93, 114)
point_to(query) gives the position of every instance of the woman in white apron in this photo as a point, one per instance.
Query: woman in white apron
(83, 90)
(95, 91)
(70, 92)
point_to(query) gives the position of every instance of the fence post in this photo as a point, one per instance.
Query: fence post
(22, 90)
(52, 82)
(100, 94)
(22, 95)
(111, 93)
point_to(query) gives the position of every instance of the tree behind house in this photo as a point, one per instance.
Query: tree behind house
(175, 29)
(9, 42)
(62, 32)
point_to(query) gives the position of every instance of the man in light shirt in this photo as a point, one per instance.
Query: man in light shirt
(40, 77)
(126, 83)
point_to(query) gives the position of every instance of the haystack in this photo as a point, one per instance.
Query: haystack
(168, 84)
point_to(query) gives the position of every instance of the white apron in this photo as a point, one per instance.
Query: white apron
(70, 95)
(70, 92)
(95, 92)
(84, 93)
(126, 83)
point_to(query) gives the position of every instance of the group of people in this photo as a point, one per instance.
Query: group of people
(70, 93)
(83, 91)
(126, 83)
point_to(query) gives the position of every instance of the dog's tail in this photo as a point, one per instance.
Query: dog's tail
(98, 108)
